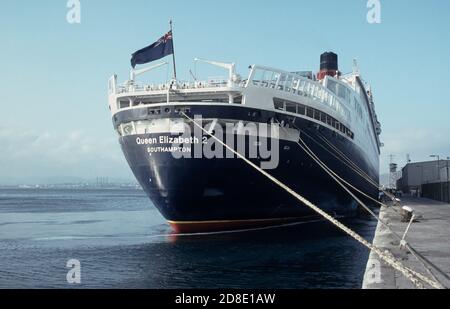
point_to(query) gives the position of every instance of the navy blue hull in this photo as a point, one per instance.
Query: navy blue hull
(203, 190)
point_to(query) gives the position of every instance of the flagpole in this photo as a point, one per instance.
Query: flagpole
(173, 54)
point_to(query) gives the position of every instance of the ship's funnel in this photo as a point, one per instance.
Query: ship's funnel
(328, 65)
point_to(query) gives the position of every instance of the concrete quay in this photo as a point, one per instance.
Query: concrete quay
(430, 236)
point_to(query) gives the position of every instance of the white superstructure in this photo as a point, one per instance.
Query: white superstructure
(342, 103)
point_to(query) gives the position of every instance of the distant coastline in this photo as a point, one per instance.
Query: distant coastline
(74, 186)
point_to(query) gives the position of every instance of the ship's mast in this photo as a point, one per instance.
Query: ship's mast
(173, 54)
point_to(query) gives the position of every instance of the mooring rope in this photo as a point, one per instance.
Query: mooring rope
(339, 179)
(358, 170)
(364, 175)
(423, 260)
(349, 164)
(406, 244)
(412, 275)
(367, 177)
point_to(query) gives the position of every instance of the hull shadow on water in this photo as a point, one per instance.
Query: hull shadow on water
(314, 255)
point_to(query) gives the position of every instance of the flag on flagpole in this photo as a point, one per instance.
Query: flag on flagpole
(158, 50)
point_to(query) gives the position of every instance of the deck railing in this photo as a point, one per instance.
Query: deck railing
(215, 82)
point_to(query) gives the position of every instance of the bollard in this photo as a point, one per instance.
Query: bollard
(406, 213)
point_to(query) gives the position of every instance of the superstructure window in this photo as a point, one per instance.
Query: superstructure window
(349, 133)
(260, 77)
(281, 82)
(337, 125)
(154, 111)
(291, 107)
(279, 104)
(336, 95)
(124, 104)
(317, 114)
(331, 85)
(313, 113)
(274, 79)
(288, 85)
(342, 92)
(301, 109)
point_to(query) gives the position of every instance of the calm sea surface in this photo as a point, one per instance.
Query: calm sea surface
(121, 241)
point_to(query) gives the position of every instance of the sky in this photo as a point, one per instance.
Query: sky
(53, 74)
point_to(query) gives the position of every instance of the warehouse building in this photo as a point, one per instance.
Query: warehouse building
(428, 179)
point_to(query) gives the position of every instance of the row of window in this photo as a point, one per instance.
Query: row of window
(300, 109)
(346, 95)
(126, 103)
(167, 110)
(296, 84)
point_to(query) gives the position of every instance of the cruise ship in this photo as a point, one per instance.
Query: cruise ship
(198, 186)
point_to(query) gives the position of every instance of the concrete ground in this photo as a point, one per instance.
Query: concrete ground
(430, 236)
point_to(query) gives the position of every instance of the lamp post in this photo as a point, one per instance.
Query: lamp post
(419, 187)
(448, 182)
(448, 159)
(438, 172)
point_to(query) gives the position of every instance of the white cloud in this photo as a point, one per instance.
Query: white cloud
(28, 154)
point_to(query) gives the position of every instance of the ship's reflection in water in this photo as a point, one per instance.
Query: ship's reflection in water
(121, 242)
(314, 255)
